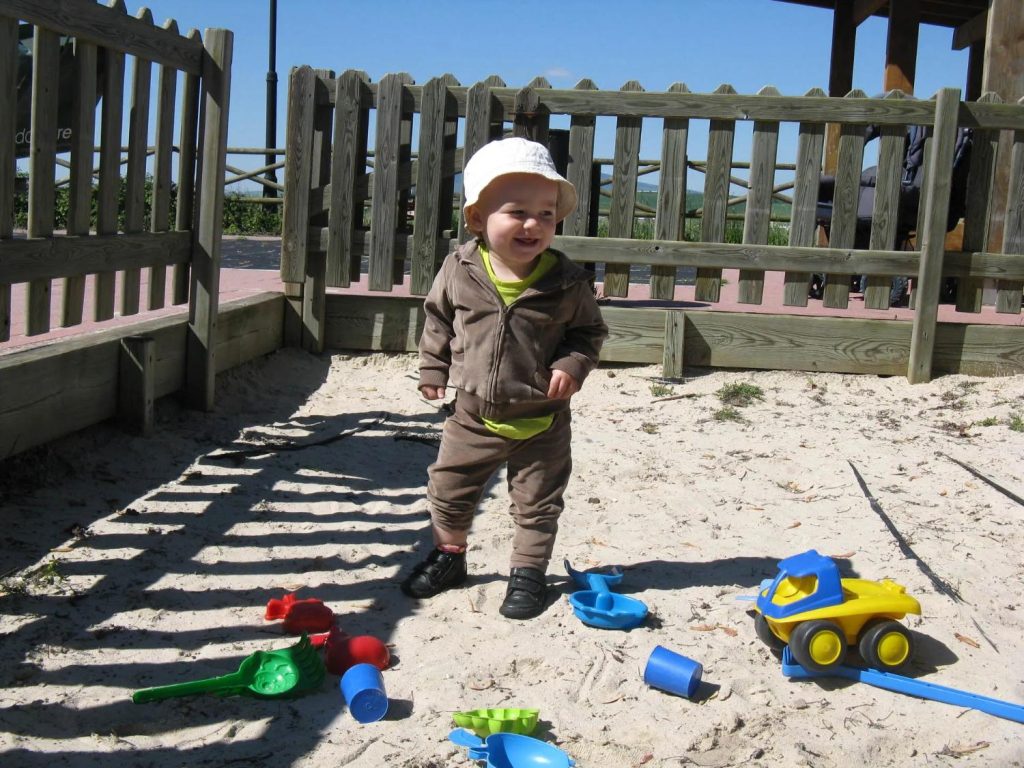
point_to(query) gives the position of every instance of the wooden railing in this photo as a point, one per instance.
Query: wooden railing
(115, 242)
(329, 178)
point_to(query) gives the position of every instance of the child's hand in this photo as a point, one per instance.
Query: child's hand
(562, 386)
(432, 393)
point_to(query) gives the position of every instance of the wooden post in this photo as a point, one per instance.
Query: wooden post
(484, 122)
(623, 203)
(8, 127)
(389, 152)
(161, 207)
(901, 45)
(136, 384)
(135, 173)
(669, 219)
(108, 196)
(1008, 292)
(531, 117)
(298, 171)
(675, 335)
(83, 136)
(878, 290)
(434, 181)
(578, 170)
(840, 71)
(1003, 74)
(314, 291)
(295, 216)
(45, 61)
(970, 290)
(201, 369)
(184, 215)
(757, 218)
(843, 231)
(348, 168)
(717, 177)
(933, 234)
(803, 223)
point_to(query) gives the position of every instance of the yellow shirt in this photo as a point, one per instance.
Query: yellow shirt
(510, 290)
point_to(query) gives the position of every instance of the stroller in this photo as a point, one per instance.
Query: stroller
(907, 212)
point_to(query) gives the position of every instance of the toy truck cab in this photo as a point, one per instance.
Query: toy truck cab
(819, 614)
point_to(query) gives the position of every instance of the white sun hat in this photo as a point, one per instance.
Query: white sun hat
(515, 155)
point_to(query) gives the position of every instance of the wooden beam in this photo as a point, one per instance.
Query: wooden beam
(840, 72)
(865, 9)
(975, 69)
(136, 385)
(200, 370)
(901, 45)
(718, 339)
(1003, 74)
(971, 31)
(109, 28)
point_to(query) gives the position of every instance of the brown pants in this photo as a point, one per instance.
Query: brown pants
(538, 472)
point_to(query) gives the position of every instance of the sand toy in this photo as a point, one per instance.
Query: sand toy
(486, 722)
(300, 616)
(818, 614)
(598, 606)
(342, 650)
(264, 674)
(511, 750)
(909, 686)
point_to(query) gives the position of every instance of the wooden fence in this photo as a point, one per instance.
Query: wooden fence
(329, 178)
(116, 243)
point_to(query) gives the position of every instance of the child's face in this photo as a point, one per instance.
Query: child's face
(515, 215)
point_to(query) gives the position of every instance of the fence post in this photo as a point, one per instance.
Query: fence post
(391, 153)
(200, 366)
(802, 225)
(484, 122)
(136, 384)
(675, 334)
(717, 176)
(42, 162)
(933, 233)
(623, 202)
(434, 180)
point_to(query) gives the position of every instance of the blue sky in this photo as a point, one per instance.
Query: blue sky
(748, 44)
(703, 43)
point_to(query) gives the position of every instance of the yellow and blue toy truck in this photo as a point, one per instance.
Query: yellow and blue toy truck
(818, 614)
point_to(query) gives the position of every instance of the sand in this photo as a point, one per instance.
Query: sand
(132, 562)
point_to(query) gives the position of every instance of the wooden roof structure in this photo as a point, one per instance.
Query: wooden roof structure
(993, 30)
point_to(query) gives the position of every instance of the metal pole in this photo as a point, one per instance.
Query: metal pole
(271, 137)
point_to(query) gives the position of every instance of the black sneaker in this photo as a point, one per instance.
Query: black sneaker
(440, 571)
(527, 594)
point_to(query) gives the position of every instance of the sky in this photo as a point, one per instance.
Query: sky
(703, 43)
(748, 44)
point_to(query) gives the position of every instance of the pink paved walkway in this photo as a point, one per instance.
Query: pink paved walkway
(251, 267)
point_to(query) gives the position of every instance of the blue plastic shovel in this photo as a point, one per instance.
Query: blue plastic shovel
(511, 750)
(909, 686)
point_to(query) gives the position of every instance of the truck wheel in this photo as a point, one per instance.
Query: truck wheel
(818, 645)
(765, 634)
(886, 645)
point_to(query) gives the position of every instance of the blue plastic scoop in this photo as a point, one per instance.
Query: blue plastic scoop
(511, 750)
(909, 686)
